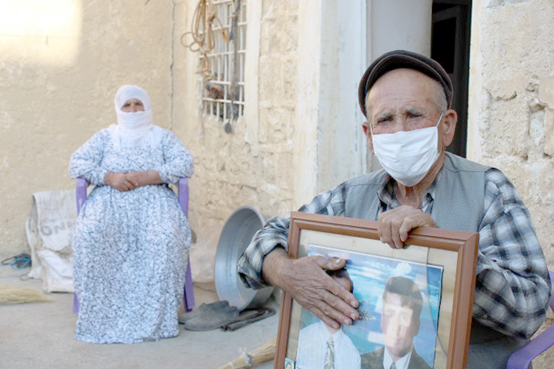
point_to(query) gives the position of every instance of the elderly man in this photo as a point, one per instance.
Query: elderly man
(400, 322)
(407, 100)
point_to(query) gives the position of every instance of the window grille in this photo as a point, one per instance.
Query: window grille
(223, 92)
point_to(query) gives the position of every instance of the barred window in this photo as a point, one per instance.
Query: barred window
(223, 92)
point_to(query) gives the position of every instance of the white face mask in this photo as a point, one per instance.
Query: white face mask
(407, 156)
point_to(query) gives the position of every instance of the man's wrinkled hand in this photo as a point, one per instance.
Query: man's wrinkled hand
(308, 283)
(395, 225)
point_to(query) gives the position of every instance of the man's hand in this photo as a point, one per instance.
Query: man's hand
(119, 181)
(308, 283)
(394, 225)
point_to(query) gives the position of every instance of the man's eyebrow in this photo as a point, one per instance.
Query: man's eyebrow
(383, 115)
(413, 110)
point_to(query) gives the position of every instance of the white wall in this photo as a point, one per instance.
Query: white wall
(400, 24)
(341, 143)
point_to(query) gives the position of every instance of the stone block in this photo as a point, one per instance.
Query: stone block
(506, 130)
(546, 91)
(263, 124)
(506, 89)
(549, 132)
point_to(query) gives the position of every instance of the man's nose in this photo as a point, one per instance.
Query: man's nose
(394, 325)
(400, 124)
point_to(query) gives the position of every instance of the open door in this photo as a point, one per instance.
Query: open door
(450, 47)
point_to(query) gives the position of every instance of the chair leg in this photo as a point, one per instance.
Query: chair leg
(76, 304)
(189, 290)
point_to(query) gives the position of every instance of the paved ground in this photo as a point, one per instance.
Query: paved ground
(40, 336)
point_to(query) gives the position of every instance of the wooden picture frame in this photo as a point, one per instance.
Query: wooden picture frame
(440, 262)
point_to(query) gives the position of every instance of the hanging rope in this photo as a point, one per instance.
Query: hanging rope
(203, 40)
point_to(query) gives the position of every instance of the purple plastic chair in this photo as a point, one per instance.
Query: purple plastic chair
(522, 358)
(183, 196)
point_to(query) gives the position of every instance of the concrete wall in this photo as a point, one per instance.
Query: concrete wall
(61, 62)
(511, 101)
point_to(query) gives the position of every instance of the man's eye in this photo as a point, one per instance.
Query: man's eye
(413, 115)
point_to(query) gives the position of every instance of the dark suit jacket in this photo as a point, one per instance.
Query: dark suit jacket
(374, 360)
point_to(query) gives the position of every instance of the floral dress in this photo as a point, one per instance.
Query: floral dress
(130, 248)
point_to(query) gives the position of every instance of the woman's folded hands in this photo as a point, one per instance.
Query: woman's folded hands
(130, 181)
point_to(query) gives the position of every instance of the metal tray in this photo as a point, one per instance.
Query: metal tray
(235, 237)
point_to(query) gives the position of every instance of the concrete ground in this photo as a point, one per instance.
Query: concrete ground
(40, 336)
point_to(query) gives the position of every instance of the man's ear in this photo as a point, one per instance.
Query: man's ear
(367, 132)
(449, 121)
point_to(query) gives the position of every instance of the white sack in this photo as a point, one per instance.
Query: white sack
(49, 229)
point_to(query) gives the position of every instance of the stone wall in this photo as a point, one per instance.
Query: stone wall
(253, 165)
(57, 89)
(61, 64)
(511, 105)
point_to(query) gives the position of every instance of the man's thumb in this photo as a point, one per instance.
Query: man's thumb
(330, 263)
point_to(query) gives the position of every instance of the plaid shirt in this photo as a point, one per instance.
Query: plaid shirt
(513, 287)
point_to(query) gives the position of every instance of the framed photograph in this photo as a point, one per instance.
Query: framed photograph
(415, 303)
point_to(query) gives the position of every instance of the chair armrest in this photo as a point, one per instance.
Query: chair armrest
(522, 358)
(81, 193)
(183, 195)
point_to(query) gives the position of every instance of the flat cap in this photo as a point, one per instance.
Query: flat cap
(403, 59)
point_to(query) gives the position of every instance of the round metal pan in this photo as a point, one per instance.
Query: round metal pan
(235, 237)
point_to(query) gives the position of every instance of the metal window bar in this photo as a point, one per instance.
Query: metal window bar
(217, 99)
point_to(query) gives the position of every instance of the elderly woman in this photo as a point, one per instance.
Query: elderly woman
(131, 239)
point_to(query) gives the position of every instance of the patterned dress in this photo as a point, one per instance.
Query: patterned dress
(130, 248)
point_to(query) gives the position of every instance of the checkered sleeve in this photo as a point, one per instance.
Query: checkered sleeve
(513, 287)
(275, 234)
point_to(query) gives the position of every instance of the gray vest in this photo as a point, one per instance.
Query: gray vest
(458, 205)
(459, 196)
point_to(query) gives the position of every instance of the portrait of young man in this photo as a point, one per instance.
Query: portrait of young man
(400, 323)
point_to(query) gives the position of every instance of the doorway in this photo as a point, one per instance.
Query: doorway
(450, 37)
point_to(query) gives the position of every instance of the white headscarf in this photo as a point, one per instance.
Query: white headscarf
(137, 127)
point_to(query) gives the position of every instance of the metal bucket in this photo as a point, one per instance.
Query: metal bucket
(235, 237)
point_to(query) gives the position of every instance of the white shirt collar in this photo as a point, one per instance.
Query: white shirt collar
(402, 363)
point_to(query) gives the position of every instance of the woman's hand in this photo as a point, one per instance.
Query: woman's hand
(119, 181)
(130, 181)
(140, 179)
